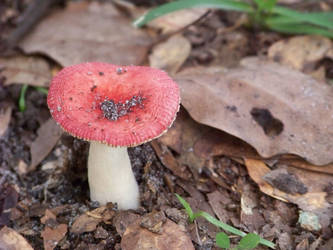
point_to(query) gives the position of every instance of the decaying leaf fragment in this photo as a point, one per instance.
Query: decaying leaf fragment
(307, 189)
(275, 109)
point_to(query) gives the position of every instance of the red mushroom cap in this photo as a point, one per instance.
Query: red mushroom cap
(116, 105)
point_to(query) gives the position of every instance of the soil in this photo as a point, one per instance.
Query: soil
(62, 186)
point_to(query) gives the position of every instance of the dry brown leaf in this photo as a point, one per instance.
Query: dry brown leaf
(11, 240)
(123, 219)
(48, 135)
(88, 32)
(275, 109)
(48, 216)
(301, 52)
(307, 189)
(177, 20)
(5, 115)
(171, 54)
(26, 70)
(52, 236)
(172, 237)
(85, 223)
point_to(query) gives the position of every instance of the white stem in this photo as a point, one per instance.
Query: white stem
(110, 176)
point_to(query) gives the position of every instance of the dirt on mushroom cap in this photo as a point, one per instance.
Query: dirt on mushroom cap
(145, 100)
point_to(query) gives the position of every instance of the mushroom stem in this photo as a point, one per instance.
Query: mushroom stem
(110, 176)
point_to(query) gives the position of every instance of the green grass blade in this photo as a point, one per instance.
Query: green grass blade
(265, 5)
(21, 102)
(42, 90)
(185, 4)
(282, 20)
(219, 224)
(301, 29)
(316, 19)
(187, 207)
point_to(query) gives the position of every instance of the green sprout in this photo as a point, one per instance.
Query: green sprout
(248, 241)
(21, 101)
(265, 13)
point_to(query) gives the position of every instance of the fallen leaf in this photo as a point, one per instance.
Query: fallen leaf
(273, 108)
(172, 237)
(52, 236)
(294, 161)
(26, 70)
(177, 20)
(216, 142)
(85, 223)
(102, 35)
(5, 115)
(153, 222)
(88, 222)
(307, 189)
(11, 240)
(171, 54)
(48, 135)
(301, 52)
(219, 200)
(48, 216)
(123, 219)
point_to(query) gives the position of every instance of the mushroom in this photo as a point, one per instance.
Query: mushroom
(113, 107)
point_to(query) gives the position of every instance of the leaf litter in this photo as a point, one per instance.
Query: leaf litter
(202, 163)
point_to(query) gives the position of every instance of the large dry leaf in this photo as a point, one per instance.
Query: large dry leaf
(28, 70)
(88, 32)
(275, 109)
(307, 189)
